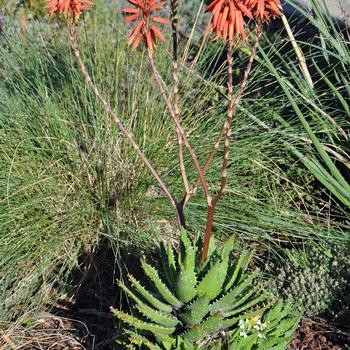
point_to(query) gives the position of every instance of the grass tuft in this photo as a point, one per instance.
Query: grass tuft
(68, 179)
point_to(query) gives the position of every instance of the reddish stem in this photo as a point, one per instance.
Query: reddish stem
(208, 232)
(236, 104)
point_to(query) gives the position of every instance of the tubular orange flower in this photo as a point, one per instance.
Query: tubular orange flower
(264, 9)
(146, 27)
(227, 19)
(71, 8)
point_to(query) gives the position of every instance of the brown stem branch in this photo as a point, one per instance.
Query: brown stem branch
(179, 127)
(236, 104)
(129, 136)
(227, 129)
(208, 232)
(227, 125)
(174, 21)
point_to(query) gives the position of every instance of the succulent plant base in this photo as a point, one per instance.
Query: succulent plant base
(214, 305)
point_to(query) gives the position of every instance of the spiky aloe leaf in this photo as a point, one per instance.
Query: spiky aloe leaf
(240, 342)
(281, 327)
(196, 311)
(181, 344)
(246, 306)
(185, 286)
(237, 270)
(160, 318)
(227, 247)
(211, 250)
(148, 296)
(141, 325)
(283, 330)
(275, 313)
(166, 341)
(199, 331)
(187, 253)
(273, 335)
(227, 323)
(168, 262)
(129, 292)
(159, 285)
(212, 282)
(225, 301)
(205, 320)
(240, 300)
(140, 340)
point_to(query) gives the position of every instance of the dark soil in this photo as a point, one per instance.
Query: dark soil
(320, 333)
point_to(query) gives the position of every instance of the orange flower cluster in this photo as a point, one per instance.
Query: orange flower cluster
(70, 8)
(146, 28)
(228, 16)
(265, 8)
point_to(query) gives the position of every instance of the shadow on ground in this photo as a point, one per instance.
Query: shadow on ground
(93, 291)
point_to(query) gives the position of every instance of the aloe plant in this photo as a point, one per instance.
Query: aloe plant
(214, 305)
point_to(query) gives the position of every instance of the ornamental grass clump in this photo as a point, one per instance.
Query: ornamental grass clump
(200, 298)
(228, 22)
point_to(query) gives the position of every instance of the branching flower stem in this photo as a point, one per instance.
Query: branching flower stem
(129, 136)
(174, 20)
(176, 120)
(227, 125)
(227, 130)
(236, 104)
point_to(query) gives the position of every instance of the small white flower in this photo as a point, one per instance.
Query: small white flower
(241, 323)
(243, 334)
(257, 327)
(260, 335)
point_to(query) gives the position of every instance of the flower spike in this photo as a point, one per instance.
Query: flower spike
(145, 28)
(70, 8)
(227, 19)
(228, 16)
(264, 9)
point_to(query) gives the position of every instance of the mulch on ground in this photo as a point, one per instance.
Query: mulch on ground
(319, 333)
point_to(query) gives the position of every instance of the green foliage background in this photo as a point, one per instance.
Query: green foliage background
(68, 180)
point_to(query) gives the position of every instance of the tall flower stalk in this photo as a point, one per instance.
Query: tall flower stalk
(233, 104)
(174, 4)
(177, 122)
(227, 23)
(71, 21)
